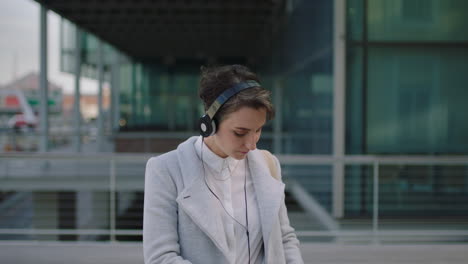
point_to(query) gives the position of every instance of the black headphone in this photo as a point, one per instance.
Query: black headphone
(206, 123)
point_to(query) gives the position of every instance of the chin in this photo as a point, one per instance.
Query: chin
(239, 155)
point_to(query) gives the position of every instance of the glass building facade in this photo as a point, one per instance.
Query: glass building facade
(406, 66)
(406, 77)
(406, 87)
(302, 63)
(155, 97)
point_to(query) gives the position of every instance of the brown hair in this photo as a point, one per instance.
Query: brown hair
(216, 80)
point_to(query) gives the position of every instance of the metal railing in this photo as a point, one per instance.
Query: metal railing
(112, 175)
(425, 227)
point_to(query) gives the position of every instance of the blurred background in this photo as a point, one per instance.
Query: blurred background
(371, 125)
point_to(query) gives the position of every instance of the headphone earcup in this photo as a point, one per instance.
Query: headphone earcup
(206, 126)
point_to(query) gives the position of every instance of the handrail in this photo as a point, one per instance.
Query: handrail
(285, 159)
(374, 161)
(80, 156)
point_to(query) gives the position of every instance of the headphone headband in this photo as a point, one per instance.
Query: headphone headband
(211, 112)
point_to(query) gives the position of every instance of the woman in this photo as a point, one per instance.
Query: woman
(216, 198)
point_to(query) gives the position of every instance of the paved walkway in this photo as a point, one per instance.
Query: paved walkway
(103, 253)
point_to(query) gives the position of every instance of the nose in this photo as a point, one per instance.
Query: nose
(251, 142)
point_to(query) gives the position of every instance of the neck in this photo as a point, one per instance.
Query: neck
(210, 142)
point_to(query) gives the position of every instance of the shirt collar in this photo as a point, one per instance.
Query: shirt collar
(212, 160)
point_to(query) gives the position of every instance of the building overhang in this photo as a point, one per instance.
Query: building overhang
(203, 29)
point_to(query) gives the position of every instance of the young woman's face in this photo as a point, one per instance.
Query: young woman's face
(238, 133)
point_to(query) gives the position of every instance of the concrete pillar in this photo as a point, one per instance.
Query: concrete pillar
(43, 87)
(76, 105)
(115, 88)
(339, 96)
(101, 210)
(92, 212)
(100, 119)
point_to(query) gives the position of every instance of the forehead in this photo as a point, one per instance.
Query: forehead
(247, 117)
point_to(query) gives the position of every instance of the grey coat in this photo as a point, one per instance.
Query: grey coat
(179, 227)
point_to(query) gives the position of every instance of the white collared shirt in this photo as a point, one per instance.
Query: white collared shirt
(225, 177)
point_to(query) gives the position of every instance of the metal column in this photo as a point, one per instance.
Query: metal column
(43, 87)
(278, 122)
(100, 119)
(339, 85)
(115, 113)
(76, 103)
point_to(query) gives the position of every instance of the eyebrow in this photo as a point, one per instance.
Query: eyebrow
(242, 128)
(246, 129)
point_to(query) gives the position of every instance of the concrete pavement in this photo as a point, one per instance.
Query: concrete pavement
(328, 253)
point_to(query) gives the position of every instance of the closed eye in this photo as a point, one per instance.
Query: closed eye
(240, 134)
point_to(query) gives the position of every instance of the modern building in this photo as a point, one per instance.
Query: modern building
(370, 94)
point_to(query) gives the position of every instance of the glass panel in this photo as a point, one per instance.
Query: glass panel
(129, 196)
(354, 102)
(186, 112)
(407, 190)
(355, 9)
(63, 193)
(358, 190)
(316, 181)
(125, 85)
(67, 46)
(303, 60)
(89, 52)
(417, 20)
(307, 114)
(16, 212)
(156, 98)
(416, 100)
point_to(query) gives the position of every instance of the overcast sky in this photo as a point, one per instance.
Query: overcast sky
(19, 45)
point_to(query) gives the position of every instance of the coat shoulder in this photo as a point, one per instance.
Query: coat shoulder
(166, 160)
(171, 158)
(166, 157)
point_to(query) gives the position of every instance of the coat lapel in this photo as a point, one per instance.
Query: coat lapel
(196, 199)
(269, 192)
(197, 202)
